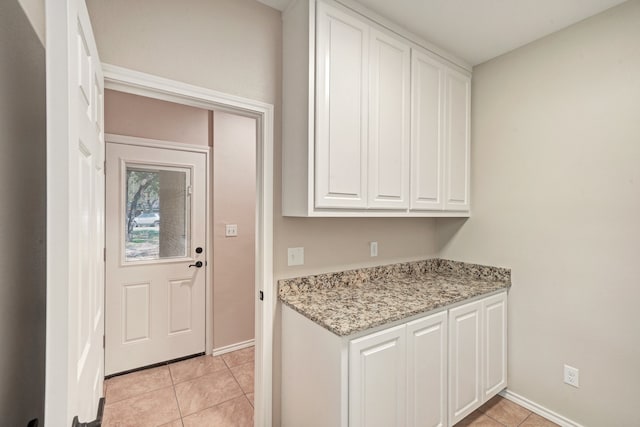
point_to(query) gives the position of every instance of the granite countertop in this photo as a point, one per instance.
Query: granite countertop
(353, 301)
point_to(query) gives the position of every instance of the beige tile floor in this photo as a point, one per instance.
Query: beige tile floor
(203, 391)
(211, 391)
(500, 412)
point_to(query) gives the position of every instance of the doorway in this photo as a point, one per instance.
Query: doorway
(137, 83)
(156, 239)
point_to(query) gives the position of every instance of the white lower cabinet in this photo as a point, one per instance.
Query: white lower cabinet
(377, 379)
(477, 354)
(429, 372)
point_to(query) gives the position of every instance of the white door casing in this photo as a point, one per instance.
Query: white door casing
(130, 81)
(75, 216)
(155, 302)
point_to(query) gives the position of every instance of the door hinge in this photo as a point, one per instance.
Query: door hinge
(261, 296)
(104, 254)
(104, 341)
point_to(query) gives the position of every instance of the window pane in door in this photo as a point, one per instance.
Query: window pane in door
(156, 213)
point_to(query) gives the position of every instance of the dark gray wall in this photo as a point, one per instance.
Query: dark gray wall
(22, 218)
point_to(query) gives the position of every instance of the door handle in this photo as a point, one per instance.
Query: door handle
(198, 264)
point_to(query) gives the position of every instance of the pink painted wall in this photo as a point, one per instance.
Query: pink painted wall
(133, 115)
(234, 202)
(234, 194)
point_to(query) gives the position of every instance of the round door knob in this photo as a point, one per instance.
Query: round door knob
(198, 264)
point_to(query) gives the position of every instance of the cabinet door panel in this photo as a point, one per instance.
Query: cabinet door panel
(427, 140)
(377, 379)
(458, 87)
(464, 360)
(427, 371)
(389, 106)
(495, 350)
(341, 109)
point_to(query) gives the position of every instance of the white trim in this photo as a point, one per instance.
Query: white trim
(154, 143)
(138, 83)
(539, 409)
(233, 347)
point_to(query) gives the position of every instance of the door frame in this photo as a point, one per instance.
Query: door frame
(138, 83)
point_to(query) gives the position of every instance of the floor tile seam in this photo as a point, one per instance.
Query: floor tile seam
(238, 382)
(498, 421)
(107, 403)
(204, 375)
(528, 416)
(175, 395)
(213, 406)
(200, 376)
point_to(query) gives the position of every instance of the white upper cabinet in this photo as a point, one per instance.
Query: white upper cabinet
(440, 106)
(341, 110)
(457, 148)
(389, 114)
(373, 124)
(427, 139)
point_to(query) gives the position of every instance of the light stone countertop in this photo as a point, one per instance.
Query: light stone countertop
(356, 300)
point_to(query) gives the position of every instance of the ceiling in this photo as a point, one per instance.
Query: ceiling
(478, 30)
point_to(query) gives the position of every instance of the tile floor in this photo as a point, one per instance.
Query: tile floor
(211, 391)
(203, 391)
(500, 412)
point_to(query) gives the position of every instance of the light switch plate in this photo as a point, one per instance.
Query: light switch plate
(231, 230)
(295, 256)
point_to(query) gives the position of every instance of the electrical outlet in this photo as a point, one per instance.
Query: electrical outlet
(373, 248)
(231, 230)
(295, 256)
(572, 376)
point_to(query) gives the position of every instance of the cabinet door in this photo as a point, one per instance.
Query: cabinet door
(427, 128)
(377, 379)
(389, 105)
(457, 168)
(495, 345)
(341, 109)
(465, 329)
(427, 371)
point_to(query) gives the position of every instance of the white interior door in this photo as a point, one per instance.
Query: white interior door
(156, 255)
(75, 215)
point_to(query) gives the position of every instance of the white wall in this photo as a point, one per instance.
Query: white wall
(234, 202)
(133, 115)
(22, 218)
(556, 197)
(235, 46)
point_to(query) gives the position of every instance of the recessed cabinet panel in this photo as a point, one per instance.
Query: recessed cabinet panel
(427, 371)
(458, 87)
(427, 132)
(464, 360)
(495, 339)
(389, 106)
(341, 106)
(377, 379)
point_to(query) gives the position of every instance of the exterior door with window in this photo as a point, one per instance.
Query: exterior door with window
(155, 255)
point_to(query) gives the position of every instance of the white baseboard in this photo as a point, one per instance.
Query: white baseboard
(233, 347)
(539, 409)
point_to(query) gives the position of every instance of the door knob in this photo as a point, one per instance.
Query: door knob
(197, 264)
(198, 250)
